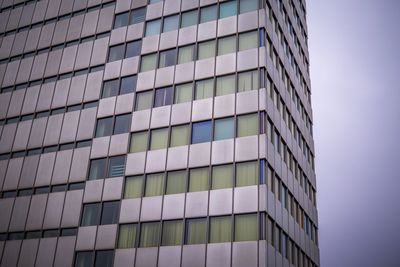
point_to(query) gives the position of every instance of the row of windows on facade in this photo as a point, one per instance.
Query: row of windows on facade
(296, 19)
(39, 234)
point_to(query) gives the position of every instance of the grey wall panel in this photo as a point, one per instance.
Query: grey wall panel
(40, 11)
(46, 35)
(6, 205)
(45, 255)
(45, 169)
(6, 45)
(61, 167)
(99, 51)
(72, 208)
(22, 135)
(106, 236)
(60, 32)
(53, 62)
(37, 132)
(20, 213)
(27, 255)
(87, 123)
(93, 86)
(69, 127)
(3, 169)
(105, 19)
(79, 5)
(10, 254)
(13, 173)
(14, 18)
(80, 163)
(36, 212)
(27, 14)
(2, 73)
(19, 43)
(7, 137)
(11, 73)
(38, 66)
(52, 9)
(68, 59)
(53, 129)
(24, 70)
(45, 96)
(194, 255)
(61, 93)
(75, 28)
(30, 100)
(83, 55)
(77, 89)
(89, 23)
(28, 173)
(4, 103)
(3, 20)
(32, 40)
(65, 251)
(66, 7)
(244, 254)
(17, 99)
(54, 209)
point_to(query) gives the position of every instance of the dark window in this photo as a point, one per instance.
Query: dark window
(91, 214)
(116, 52)
(50, 233)
(97, 169)
(163, 97)
(208, 13)
(110, 212)
(138, 15)
(121, 20)
(110, 88)
(201, 132)
(122, 123)
(167, 58)
(128, 84)
(104, 127)
(133, 49)
(84, 259)
(116, 166)
(33, 234)
(104, 258)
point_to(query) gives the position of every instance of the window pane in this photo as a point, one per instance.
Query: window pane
(97, 169)
(247, 125)
(171, 23)
(201, 132)
(248, 40)
(84, 259)
(220, 229)
(172, 233)
(227, 9)
(91, 214)
(138, 15)
(149, 62)
(133, 49)
(104, 127)
(225, 85)
(121, 20)
(110, 88)
(133, 187)
(248, 5)
(189, 18)
(224, 129)
(116, 166)
(153, 27)
(110, 212)
(138, 142)
(186, 54)
(163, 97)
(198, 180)
(176, 182)
(179, 135)
(154, 185)
(159, 139)
(122, 123)
(248, 81)
(144, 100)
(128, 84)
(196, 231)
(246, 173)
(127, 235)
(154, 1)
(204, 89)
(104, 258)
(116, 53)
(183, 93)
(208, 13)
(150, 234)
(206, 50)
(167, 58)
(222, 176)
(226, 45)
(246, 227)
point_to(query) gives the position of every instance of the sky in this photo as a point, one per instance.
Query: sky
(354, 50)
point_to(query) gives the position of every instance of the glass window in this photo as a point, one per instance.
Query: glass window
(104, 258)
(189, 18)
(97, 169)
(138, 15)
(127, 235)
(208, 13)
(183, 93)
(122, 123)
(201, 132)
(154, 1)
(171, 23)
(224, 129)
(225, 85)
(226, 45)
(84, 259)
(159, 139)
(220, 229)
(172, 233)
(198, 179)
(138, 142)
(248, 40)
(116, 166)
(167, 58)
(150, 234)
(110, 212)
(154, 185)
(196, 231)
(144, 100)
(91, 214)
(110, 88)
(247, 125)
(204, 89)
(128, 84)
(246, 227)
(176, 182)
(179, 135)
(227, 9)
(248, 81)
(116, 53)
(186, 54)
(149, 62)
(246, 173)
(133, 186)
(222, 176)
(163, 97)
(153, 27)
(133, 49)
(206, 50)
(248, 5)
(104, 127)
(121, 20)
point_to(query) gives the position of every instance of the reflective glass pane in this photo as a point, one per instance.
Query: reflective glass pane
(179, 135)
(248, 5)
(224, 129)
(133, 49)
(150, 234)
(154, 185)
(149, 62)
(138, 142)
(104, 258)
(122, 123)
(189, 18)
(121, 20)
(246, 227)
(97, 169)
(208, 13)
(183, 93)
(226, 45)
(186, 54)
(159, 139)
(246, 173)
(138, 15)
(116, 53)
(128, 84)
(172, 233)
(104, 127)
(222, 176)
(201, 132)
(248, 40)
(220, 229)
(163, 97)
(204, 89)
(127, 235)
(144, 100)
(198, 179)
(110, 88)
(226, 85)
(196, 231)
(110, 212)
(206, 50)
(227, 9)
(248, 81)
(247, 125)
(84, 259)
(167, 58)
(171, 23)
(153, 27)
(91, 214)
(176, 182)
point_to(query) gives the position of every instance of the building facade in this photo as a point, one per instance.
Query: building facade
(156, 133)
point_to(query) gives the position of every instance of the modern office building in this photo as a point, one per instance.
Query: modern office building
(156, 133)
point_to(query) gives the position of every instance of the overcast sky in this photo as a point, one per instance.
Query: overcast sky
(355, 75)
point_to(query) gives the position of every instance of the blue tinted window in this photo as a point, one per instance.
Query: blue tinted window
(201, 132)
(224, 129)
(227, 9)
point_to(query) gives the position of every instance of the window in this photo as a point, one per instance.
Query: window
(204, 89)
(138, 142)
(127, 235)
(247, 125)
(97, 169)
(171, 23)
(133, 49)
(186, 54)
(150, 234)
(110, 88)
(246, 227)
(248, 5)
(110, 212)
(208, 13)
(133, 187)
(222, 176)
(154, 1)
(226, 45)
(104, 258)
(220, 229)
(159, 139)
(153, 27)
(176, 182)
(248, 81)
(189, 18)
(149, 62)
(248, 40)
(163, 97)
(122, 124)
(154, 185)
(104, 127)
(128, 84)
(138, 15)
(246, 173)
(198, 179)
(224, 129)
(84, 259)
(144, 100)
(172, 233)
(179, 135)
(167, 58)
(121, 20)
(196, 231)
(116, 166)
(116, 53)
(91, 214)
(225, 85)
(227, 9)
(206, 50)
(201, 132)
(183, 93)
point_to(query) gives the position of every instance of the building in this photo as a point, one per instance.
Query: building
(160, 133)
